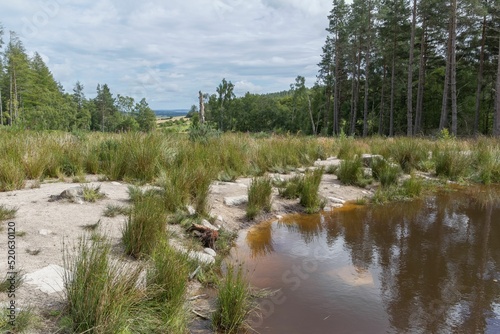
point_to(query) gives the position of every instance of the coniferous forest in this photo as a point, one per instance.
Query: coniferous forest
(388, 67)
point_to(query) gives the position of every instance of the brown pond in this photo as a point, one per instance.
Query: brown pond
(426, 266)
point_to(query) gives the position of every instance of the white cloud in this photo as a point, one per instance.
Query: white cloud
(170, 50)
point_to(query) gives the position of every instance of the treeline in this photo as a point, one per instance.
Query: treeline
(388, 67)
(30, 98)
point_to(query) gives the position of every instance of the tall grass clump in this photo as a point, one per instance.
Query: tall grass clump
(259, 196)
(309, 196)
(409, 153)
(166, 281)
(145, 226)
(410, 188)
(113, 159)
(486, 162)
(452, 162)
(291, 188)
(385, 172)
(233, 302)
(350, 171)
(145, 154)
(102, 297)
(12, 177)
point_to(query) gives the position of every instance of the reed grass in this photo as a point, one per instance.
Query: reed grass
(146, 225)
(233, 302)
(350, 171)
(102, 296)
(309, 196)
(259, 196)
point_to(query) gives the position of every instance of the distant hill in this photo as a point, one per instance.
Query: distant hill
(171, 112)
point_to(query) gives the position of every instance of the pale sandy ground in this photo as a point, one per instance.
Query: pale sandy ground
(48, 224)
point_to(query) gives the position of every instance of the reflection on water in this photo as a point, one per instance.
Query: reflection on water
(427, 266)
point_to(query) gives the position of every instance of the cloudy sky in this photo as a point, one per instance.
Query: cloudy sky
(168, 50)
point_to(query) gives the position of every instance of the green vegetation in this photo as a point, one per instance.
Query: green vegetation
(145, 226)
(350, 172)
(233, 302)
(7, 212)
(102, 296)
(92, 194)
(259, 196)
(309, 197)
(115, 210)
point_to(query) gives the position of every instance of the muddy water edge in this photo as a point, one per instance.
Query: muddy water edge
(427, 266)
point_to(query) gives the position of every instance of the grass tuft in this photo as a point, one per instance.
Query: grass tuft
(6, 212)
(233, 302)
(309, 196)
(92, 194)
(145, 226)
(113, 210)
(259, 196)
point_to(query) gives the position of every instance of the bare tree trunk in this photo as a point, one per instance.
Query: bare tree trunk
(202, 108)
(453, 68)
(496, 126)
(311, 115)
(480, 78)
(409, 99)
(336, 94)
(367, 71)
(356, 93)
(443, 122)
(11, 101)
(421, 79)
(1, 108)
(382, 104)
(393, 81)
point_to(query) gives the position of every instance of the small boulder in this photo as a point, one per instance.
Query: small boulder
(191, 211)
(210, 251)
(235, 200)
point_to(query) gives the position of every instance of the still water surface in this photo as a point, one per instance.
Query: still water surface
(426, 266)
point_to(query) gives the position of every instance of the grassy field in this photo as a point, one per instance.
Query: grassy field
(182, 169)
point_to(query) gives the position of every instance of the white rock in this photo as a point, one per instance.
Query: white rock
(45, 232)
(279, 216)
(48, 279)
(201, 257)
(207, 224)
(336, 200)
(220, 219)
(210, 251)
(236, 200)
(191, 210)
(116, 183)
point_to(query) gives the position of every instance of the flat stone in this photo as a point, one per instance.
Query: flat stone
(48, 279)
(336, 200)
(207, 224)
(116, 183)
(210, 251)
(201, 257)
(236, 200)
